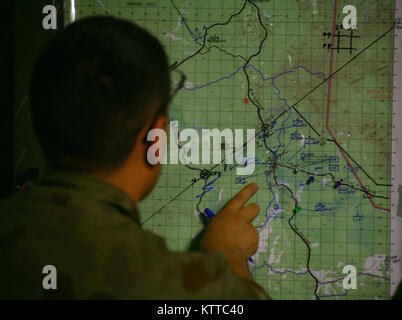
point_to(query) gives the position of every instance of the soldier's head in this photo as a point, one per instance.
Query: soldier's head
(97, 88)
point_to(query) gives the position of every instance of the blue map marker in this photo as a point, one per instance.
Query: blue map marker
(310, 180)
(208, 212)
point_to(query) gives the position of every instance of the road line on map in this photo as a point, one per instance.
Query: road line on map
(328, 112)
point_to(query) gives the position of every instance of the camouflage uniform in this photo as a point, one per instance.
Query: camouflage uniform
(90, 231)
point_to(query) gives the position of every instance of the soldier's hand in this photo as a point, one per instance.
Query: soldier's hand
(232, 233)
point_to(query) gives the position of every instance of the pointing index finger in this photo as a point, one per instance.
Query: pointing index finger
(241, 198)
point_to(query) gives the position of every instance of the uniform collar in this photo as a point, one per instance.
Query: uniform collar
(98, 189)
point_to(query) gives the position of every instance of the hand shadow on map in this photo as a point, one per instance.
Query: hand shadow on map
(195, 243)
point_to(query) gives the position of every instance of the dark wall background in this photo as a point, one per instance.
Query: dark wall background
(24, 37)
(7, 35)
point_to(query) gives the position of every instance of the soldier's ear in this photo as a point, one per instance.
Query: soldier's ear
(160, 122)
(154, 143)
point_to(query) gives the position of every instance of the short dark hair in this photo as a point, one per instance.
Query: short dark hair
(93, 89)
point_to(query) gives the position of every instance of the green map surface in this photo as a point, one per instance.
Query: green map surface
(286, 69)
